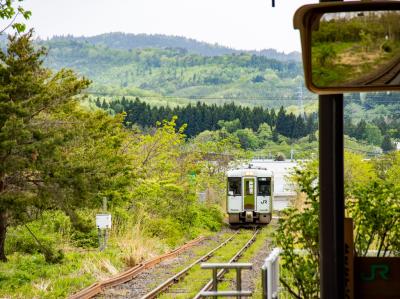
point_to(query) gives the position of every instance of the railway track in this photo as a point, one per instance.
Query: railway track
(171, 280)
(387, 75)
(131, 273)
(175, 279)
(222, 272)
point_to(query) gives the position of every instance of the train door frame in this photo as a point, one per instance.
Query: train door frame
(254, 179)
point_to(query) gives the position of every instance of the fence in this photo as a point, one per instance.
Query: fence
(270, 275)
(238, 293)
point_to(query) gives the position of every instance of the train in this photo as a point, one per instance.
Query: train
(250, 192)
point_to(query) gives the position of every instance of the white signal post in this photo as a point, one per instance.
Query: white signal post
(103, 224)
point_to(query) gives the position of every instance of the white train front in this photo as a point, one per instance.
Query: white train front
(249, 195)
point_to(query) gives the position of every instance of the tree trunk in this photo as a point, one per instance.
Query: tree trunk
(3, 231)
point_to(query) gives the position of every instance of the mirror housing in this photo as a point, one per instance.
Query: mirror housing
(310, 18)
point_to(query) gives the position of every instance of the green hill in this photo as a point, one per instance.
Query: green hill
(175, 71)
(177, 75)
(127, 41)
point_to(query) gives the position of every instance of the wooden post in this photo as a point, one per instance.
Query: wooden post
(348, 259)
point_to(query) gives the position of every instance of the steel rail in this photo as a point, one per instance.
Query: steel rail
(383, 75)
(174, 279)
(222, 272)
(388, 75)
(131, 273)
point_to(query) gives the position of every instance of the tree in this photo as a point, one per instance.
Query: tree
(230, 126)
(375, 209)
(247, 138)
(326, 55)
(387, 144)
(357, 171)
(373, 134)
(299, 129)
(312, 137)
(359, 131)
(264, 133)
(275, 136)
(298, 230)
(104, 105)
(258, 79)
(53, 155)
(282, 124)
(392, 174)
(10, 12)
(98, 103)
(372, 200)
(366, 40)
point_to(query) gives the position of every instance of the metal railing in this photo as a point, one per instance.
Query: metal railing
(270, 275)
(226, 266)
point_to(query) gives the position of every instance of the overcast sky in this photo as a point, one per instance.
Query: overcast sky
(241, 24)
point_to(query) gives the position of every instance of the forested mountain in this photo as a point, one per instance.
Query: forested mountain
(127, 41)
(164, 75)
(175, 73)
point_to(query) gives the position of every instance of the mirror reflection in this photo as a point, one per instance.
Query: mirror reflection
(356, 49)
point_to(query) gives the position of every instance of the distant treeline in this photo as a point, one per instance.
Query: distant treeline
(202, 117)
(128, 41)
(360, 27)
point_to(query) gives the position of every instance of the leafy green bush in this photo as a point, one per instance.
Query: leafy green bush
(298, 229)
(30, 276)
(210, 217)
(84, 232)
(21, 240)
(388, 46)
(57, 222)
(122, 219)
(167, 228)
(85, 239)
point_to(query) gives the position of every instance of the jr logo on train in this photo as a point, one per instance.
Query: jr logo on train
(249, 195)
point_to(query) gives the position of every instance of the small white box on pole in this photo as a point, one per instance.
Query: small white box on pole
(103, 221)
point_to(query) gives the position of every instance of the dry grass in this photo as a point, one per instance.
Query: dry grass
(356, 59)
(136, 247)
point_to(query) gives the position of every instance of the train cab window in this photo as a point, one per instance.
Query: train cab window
(264, 187)
(249, 187)
(234, 186)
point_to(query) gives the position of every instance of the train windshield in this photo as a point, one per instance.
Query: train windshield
(264, 186)
(234, 186)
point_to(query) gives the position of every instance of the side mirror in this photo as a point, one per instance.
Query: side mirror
(350, 46)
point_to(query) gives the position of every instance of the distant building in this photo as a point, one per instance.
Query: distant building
(284, 190)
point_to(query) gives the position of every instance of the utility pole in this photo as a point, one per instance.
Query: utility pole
(300, 95)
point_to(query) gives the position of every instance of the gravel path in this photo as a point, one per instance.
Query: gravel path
(250, 278)
(149, 279)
